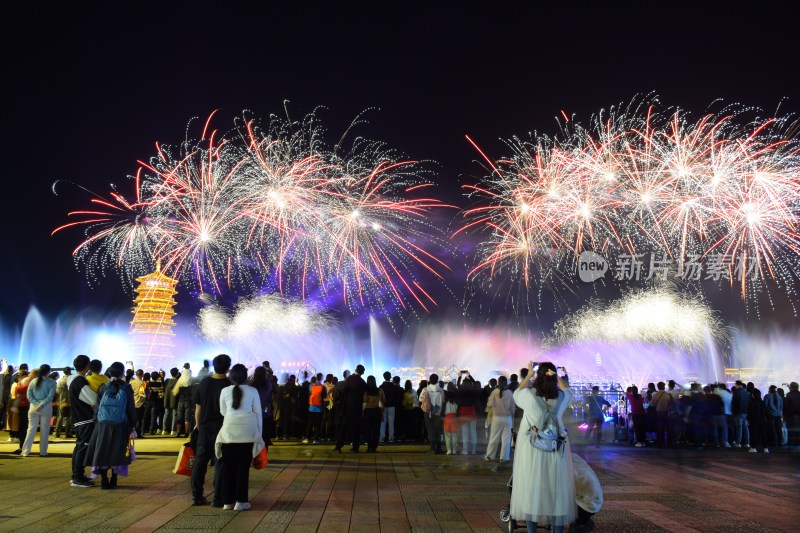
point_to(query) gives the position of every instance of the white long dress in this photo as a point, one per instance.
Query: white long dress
(544, 482)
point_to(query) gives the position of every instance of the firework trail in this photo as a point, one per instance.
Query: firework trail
(639, 181)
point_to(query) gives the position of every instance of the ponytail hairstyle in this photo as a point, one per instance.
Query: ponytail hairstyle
(546, 381)
(502, 383)
(44, 371)
(115, 372)
(238, 375)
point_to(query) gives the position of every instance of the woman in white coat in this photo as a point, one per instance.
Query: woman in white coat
(544, 481)
(239, 440)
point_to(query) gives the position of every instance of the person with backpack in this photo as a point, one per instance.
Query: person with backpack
(544, 482)
(662, 400)
(114, 419)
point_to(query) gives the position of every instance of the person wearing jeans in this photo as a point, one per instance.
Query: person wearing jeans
(594, 404)
(170, 403)
(773, 405)
(740, 403)
(40, 396)
(392, 401)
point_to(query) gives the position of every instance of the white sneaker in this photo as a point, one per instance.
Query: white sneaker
(752, 450)
(737, 445)
(727, 445)
(766, 450)
(227, 507)
(173, 434)
(241, 506)
(639, 444)
(305, 441)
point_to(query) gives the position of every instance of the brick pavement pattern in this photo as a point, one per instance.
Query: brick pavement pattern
(307, 488)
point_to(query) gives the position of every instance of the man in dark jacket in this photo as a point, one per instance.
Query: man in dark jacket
(390, 409)
(170, 402)
(82, 400)
(352, 394)
(791, 413)
(740, 403)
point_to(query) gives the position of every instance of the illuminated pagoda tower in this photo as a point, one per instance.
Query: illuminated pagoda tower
(151, 327)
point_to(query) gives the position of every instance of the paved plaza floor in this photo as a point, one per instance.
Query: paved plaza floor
(401, 488)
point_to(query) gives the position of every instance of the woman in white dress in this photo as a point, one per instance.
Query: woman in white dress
(544, 481)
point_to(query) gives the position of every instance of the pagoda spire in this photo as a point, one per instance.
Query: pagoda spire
(152, 323)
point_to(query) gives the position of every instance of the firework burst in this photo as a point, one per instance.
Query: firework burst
(234, 211)
(120, 234)
(636, 181)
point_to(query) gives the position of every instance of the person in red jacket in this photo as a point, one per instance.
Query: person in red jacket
(638, 414)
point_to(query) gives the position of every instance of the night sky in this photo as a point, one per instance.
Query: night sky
(93, 88)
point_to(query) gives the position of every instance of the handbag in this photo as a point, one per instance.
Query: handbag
(186, 459)
(546, 439)
(261, 461)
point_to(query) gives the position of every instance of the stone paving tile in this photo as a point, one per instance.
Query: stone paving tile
(401, 489)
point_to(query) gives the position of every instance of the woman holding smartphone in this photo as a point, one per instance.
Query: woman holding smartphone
(544, 480)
